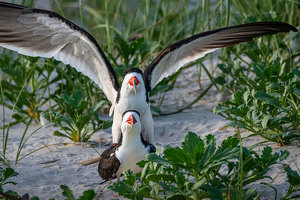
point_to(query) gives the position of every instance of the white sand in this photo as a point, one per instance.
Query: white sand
(169, 130)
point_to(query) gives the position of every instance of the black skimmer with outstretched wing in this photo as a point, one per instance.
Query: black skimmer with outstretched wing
(36, 32)
(130, 149)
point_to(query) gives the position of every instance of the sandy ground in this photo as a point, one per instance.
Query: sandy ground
(43, 180)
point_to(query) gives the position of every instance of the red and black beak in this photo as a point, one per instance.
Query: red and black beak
(134, 81)
(131, 120)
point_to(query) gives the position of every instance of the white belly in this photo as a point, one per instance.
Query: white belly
(139, 104)
(129, 156)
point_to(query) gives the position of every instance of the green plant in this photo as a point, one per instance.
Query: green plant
(75, 123)
(268, 105)
(24, 83)
(87, 195)
(200, 170)
(6, 174)
(294, 183)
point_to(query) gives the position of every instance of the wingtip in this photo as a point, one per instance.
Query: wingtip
(11, 5)
(289, 27)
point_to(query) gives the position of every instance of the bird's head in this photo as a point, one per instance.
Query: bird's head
(131, 122)
(133, 81)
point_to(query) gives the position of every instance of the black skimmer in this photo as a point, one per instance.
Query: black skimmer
(36, 32)
(130, 149)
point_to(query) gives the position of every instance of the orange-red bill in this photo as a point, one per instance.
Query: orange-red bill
(134, 81)
(131, 120)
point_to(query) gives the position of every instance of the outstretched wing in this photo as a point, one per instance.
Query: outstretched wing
(190, 49)
(35, 32)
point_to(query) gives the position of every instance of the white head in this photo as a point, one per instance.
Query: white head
(133, 82)
(131, 123)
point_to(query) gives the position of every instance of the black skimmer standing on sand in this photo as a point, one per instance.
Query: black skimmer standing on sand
(130, 149)
(36, 32)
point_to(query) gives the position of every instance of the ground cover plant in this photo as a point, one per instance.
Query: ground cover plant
(76, 123)
(200, 170)
(262, 75)
(268, 106)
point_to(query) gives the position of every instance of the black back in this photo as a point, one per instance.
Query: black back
(109, 163)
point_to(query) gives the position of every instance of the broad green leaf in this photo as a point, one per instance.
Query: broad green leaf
(9, 172)
(88, 195)
(129, 177)
(219, 80)
(67, 192)
(180, 180)
(12, 193)
(161, 177)
(230, 142)
(293, 176)
(192, 146)
(176, 157)
(122, 188)
(224, 68)
(156, 158)
(259, 70)
(267, 98)
(296, 71)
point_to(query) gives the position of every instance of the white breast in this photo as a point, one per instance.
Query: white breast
(130, 155)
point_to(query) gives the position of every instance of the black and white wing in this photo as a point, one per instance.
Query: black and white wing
(108, 164)
(35, 32)
(190, 49)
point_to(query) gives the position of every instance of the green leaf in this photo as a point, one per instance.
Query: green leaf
(259, 70)
(59, 134)
(296, 71)
(267, 98)
(219, 80)
(122, 188)
(230, 142)
(176, 156)
(156, 158)
(161, 177)
(88, 195)
(192, 146)
(293, 176)
(224, 68)
(283, 155)
(265, 121)
(180, 180)
(267, 153)
(76, 98)
(199, 184)
(236, 124)
(249, 194)
(178, 197)
(12, 193)
(67, 192)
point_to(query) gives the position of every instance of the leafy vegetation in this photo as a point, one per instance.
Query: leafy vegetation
(75, 123)
(262, 76)
(268, 105)
(201, 170)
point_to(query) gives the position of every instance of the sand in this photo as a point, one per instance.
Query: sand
(43, 180)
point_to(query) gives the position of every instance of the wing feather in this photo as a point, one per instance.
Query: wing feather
(35, 32)
(190, 49)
